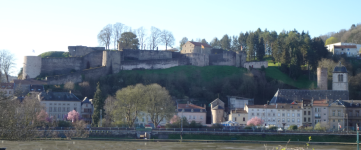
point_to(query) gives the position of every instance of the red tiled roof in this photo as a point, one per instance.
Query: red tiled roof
(345, 46)
(200, 44)
(190, 106)
(6, 85)
(320, 102)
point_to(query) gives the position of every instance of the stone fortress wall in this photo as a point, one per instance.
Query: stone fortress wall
(94, 62)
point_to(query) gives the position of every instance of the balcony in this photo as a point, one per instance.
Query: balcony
(317, 116)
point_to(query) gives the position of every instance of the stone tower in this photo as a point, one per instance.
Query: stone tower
(339, 78)
(32, 67)
(322, 78)
(217, 107)
(112, 60)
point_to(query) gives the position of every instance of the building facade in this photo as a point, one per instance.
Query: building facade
(289, 114)
(268, 113)
(87, 110)
(192, 113)
(236, 102)
(320, 111)
(339, 78)
(350, 49)
(7, 89)
(238, 115)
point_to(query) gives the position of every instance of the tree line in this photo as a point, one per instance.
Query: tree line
(124, 37)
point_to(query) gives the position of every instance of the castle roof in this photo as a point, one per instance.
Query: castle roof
(200, 44)
(290, 95)
(340, 69)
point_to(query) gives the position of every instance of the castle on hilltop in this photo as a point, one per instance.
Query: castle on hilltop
(95, 62)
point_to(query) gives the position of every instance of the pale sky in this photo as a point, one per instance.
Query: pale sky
(54, 25)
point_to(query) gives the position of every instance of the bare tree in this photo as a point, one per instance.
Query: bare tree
(7, 62)
(167, 38)
(154, 38)
(105, 35)
(140, 32)
(118, 29)
(182, 42)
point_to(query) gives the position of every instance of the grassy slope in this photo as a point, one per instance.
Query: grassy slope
(273, 72)
(207, 73)
(212, 72)
(54, 54)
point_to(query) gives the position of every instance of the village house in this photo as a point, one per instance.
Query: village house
(320, 111)
(87, 110)
(7, 89)
(192, 112)
(238, 115)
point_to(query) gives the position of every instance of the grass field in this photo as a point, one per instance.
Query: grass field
(326, 138)
(207, 72)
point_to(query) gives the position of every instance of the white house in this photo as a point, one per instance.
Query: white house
(350, 49)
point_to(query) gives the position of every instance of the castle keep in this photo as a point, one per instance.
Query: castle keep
(94, 62)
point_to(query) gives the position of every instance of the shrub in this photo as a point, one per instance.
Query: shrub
(272, 128)
(217, 125)
(293, 127)
(64, 124)
(248, 127)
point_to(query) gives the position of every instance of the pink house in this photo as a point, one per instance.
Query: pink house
(192, 112)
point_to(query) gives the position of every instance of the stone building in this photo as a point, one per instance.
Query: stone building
(192, 112)
(95, 62)
(339, 78)
(336, 113)
(218, 115)
(196, 47)
(353, 109)
(307, 112)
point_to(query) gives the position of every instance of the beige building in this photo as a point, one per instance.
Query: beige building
(196, 47)
(239, 115)
(192, 113)
(289, 114)
(7, 89)
(337, 115)
(353, 109)
(320, 111)
(218, 115)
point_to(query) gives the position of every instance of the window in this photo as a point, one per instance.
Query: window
(59, 109)
(293, 114)
(194, 117)
(288, 120)
(304, 113)
(75, 108)
(244, 119)
(309, 112)
(279, 120)
(309, 119)
(324, 107)
(304, 119)
(298, 120)
(293, 120)
(340, 78)
(298, 114)
(68, 109)
(269, 114)
(339, 113)
(283, 120)
(339, 120)
(283, 114)
(333, 120)
(51, 104)
(252, 114)
(201, 117)
(239, 115)
(54, 109)
(279, 114)
(333, 113)
(257, 114)
(235, 118)
(274, 114)
(50, 109)
(288, 114)
(189, 117)
(324, 114)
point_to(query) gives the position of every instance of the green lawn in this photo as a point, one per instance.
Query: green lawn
(207, 72)
(302, 82)
(322, 138)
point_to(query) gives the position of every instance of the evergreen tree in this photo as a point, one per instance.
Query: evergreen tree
(285, 59)
(98, 102)
(204, 41)
(250, 46)
(226, 42)
(295, 66)
(260, 50)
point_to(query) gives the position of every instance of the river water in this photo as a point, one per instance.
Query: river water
(123, 145)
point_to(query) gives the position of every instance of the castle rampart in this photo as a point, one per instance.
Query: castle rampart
(94, 62)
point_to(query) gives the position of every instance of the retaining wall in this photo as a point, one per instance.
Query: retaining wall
(148, 64)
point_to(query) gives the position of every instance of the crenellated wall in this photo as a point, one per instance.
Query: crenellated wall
(197, 59)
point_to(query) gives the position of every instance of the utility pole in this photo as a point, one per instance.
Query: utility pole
(358, 148)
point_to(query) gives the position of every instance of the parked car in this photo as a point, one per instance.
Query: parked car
(279, 129)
